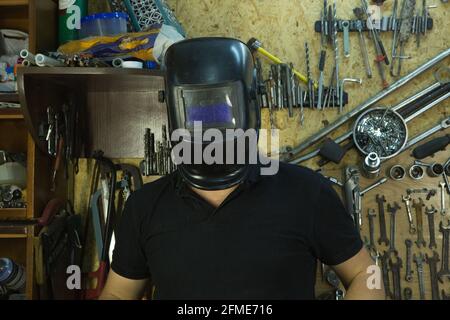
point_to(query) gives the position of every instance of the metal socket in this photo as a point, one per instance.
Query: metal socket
(371, 166)
(435, 170)
(397, 172)
(416, 172)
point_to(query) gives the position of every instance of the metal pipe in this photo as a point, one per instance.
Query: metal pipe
(396, 108)
(362, 107)
(117, 63)
(427, 133)
(27, 55)
(45, 61)
(427, 107)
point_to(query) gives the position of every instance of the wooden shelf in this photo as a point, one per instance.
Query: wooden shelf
(13, 3)
(9, 97)
(13, 236)
(115, 105)
(11, 113)
(13, 213)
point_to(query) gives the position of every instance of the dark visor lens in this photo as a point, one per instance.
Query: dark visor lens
(219, 114)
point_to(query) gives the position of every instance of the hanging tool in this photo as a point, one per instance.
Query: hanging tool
(323, 54)
(431, 147)
(256, 45)
(341, 94)
(380, 57)
(362, 43)
(108, 171)
(336, 48)
(311, 93)
(374, 31)
(404, 32)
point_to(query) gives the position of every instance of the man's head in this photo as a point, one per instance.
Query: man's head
(211, 84)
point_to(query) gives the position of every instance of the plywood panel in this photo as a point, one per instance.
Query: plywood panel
(283, 26)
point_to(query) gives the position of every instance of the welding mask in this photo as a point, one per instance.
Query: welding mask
(212, 82)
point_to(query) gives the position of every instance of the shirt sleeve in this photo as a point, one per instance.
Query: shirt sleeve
(335, 238)
(128, 256)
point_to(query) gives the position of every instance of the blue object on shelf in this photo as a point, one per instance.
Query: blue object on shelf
(103, 24)
(151, 65)
(145, 13)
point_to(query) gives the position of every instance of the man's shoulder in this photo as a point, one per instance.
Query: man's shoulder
(298, 174)
(151, 191)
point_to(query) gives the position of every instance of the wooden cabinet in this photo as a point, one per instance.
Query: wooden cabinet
(115, 105)
(37, 18)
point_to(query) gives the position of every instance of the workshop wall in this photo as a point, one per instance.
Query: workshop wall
(283, 26)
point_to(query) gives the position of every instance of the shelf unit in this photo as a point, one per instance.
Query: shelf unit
(39, 19)
(115, 105)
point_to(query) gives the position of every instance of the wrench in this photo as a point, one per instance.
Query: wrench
(385, 269)
(383, 236)
(430, 214)
(371, 216)
(432, 263)
(346, 30)
(407, 293)
(395, 268)
(362, 43)
(393, 211)
(443, 209)
(445, 271)
(407, 201)
(418, 206)
(419, 259)
(409, 271)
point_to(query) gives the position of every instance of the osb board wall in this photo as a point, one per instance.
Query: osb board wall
(283, 26)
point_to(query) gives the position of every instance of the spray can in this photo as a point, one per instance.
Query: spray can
(69, 19)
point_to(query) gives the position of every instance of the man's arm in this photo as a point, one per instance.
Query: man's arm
(354, 275)
(120, 288)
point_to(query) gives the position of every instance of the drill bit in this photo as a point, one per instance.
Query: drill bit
(336, 47)
(308, 74)
(301, 100)
(321, 68)
(406, 15)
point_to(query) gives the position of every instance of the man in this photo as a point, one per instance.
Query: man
(224, 231)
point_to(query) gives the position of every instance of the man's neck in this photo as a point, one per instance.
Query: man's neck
(216, 197)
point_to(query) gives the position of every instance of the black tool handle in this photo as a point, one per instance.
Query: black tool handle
(323, 55)
(431, 147)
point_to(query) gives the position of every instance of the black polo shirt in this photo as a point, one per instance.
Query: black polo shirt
(261, 243)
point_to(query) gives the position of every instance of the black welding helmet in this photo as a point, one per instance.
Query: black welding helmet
(211, 81)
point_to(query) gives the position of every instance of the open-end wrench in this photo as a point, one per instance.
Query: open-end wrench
(392, 211)
(409, 271)
(371, 216)
(346, 30)
(385, 270)
(407, 201)
(418, 206)
(432, 263)
(407, 294)
(445, 252)
(383, 236)
(443, 208)
(419, 259)
(396, 282)
(430, 215)
(362, 43)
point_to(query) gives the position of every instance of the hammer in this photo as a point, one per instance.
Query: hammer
(256, 46)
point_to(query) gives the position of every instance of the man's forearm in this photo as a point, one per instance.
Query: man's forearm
(359, 290)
